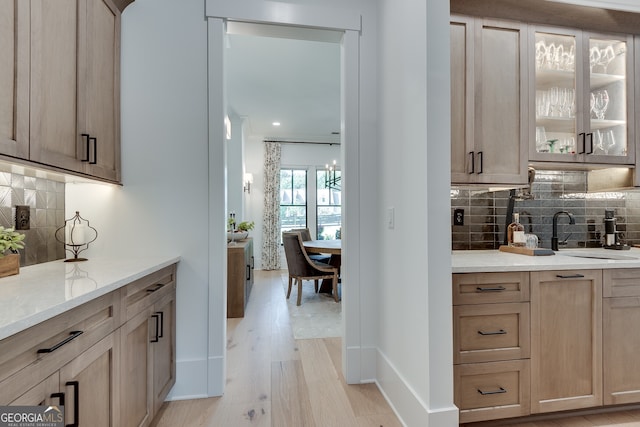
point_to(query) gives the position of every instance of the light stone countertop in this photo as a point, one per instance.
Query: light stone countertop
(496, 261)
(45, 290)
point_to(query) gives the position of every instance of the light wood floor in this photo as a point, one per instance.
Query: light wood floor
(275, 380)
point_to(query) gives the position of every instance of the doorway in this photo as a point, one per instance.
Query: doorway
(351, 236)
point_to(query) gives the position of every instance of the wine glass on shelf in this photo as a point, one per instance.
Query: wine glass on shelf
(541, 140)
(608, 142)
(594, 57)
(600, 103)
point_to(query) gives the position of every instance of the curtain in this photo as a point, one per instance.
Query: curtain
(271, 219)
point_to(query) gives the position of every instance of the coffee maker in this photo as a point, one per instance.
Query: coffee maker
(611, 236)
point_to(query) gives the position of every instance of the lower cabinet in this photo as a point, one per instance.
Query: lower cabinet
(110, 362)
(87, 386)
(148, 354)
(566, 340)
(491, 345)
(621, 318)
(239, 276)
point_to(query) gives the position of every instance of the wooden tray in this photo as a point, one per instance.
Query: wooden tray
(527, 251)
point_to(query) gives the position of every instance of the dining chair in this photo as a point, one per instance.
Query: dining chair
(301, 267)
(306, 236)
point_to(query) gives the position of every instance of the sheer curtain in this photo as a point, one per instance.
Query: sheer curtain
(271, 219)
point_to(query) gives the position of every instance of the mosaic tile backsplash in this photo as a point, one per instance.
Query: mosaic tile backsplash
(484, 213)
(45, 198)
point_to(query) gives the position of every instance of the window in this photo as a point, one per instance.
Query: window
(293, 199)
(329, 208)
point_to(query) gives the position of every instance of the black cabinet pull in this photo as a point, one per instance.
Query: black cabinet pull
(72, 335)
(480, 160)
(59, 396)
(76, 403)
(86, 137)
(569, 276)
(486, 393)
(581, 136)
(473, 162)
(248, 272)
(95, 150)
(161, 313)
(590, 135)
(157, 288)
(156, 316)
(253, 262)
(499, 332)
(494, 289)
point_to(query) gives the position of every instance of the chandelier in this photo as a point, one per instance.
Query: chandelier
(331, 179)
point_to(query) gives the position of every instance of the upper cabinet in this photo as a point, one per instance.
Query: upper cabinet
(14, 78)
(582, 97)
(65, 90)
(488, 101)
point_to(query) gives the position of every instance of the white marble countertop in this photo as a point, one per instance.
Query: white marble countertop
(43, 291)
(496, 261)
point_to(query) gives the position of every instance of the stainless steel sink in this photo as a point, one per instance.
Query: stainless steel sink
(596, 255)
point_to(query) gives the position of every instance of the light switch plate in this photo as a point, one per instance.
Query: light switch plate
(391, 218)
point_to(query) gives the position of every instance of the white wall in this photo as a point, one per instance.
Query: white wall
(163, 205)
(415, 278)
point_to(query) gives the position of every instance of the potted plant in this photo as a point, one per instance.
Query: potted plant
(11, 241)
(241, 231)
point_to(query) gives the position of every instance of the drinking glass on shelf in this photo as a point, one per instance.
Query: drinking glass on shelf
(541, 140)
(594, 57)
(542, 103)
(606, 56)
(598, 144)
(554, 101)
(600, 103)
(609, 142)
(541, 52)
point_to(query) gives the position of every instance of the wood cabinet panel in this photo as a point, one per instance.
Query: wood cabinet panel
(621, 282)
(14, 79)
(91, 384)
(163, 350)
(566, 340)
(621, 364)
(489, 100)
(484, 288)
(491, 332)
(239, 276)
(492, 390)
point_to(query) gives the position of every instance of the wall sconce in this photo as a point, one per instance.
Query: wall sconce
(248, 180)
(76, 234)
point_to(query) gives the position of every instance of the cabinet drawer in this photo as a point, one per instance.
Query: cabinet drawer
(46, 347)
(622, 282)
(491, 332)
(493, 390)
(483, 288)
(144, 292)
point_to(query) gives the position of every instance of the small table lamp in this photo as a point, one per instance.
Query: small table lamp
(76, 234)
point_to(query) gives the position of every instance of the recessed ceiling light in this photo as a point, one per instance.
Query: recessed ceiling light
(276, 123)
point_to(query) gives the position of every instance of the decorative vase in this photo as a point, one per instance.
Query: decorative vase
(9, 265)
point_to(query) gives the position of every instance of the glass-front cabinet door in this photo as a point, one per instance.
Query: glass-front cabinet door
(582, 84)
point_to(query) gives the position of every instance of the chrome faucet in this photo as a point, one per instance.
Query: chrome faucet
(554, 237)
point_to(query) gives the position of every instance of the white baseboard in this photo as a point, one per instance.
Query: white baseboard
(408, 407)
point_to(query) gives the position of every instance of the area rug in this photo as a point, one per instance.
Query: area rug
(318, 316)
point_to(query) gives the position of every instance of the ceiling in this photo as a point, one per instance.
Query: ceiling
(286, 75)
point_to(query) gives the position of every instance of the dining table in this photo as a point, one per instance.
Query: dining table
(330, 247)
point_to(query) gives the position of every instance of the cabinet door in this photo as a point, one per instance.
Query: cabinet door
(566, 340)
(163, 349)
(91, 383)
(583, 97)
(621, 363)
(14, 82)
(610, 98)
(54, 84)
(501, 96)
(99, 95)
(462, 102)
(135, 397)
